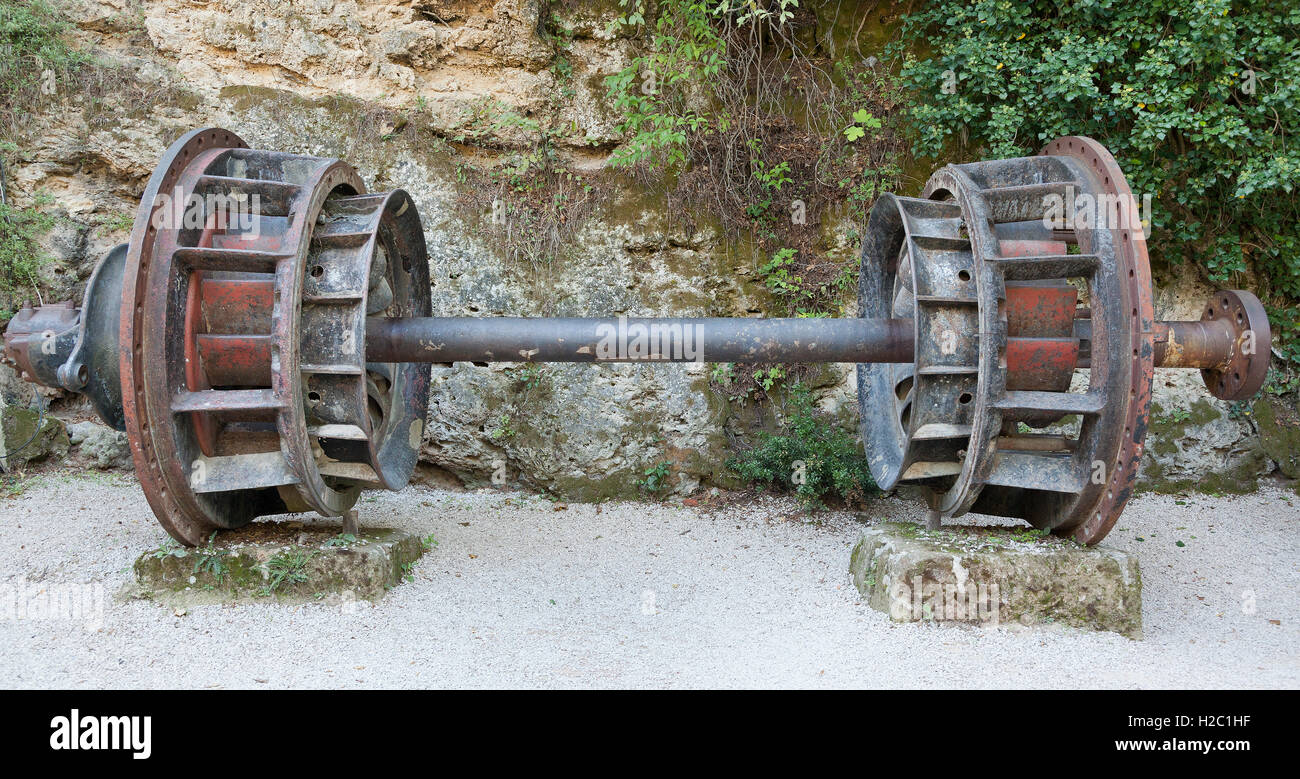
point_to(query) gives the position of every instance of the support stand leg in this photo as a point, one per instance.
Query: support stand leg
(351, 523)
(933, 520)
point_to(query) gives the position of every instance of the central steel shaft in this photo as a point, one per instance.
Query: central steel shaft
(624, 339)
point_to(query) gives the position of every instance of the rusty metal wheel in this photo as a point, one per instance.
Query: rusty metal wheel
(993, 292)
(247, 283)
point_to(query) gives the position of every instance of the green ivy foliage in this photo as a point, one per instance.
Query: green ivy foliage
(1199, 100)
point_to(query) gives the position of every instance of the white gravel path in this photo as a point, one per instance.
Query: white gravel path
(519, 595)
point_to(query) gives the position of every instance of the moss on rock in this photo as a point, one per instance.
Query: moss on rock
(28, 436)
(996, 576)
(278, 562)
(1279, 433)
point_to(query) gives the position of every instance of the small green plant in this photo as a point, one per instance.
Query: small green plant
(1030, 535)
(1175, 416)
(341, 541)
(166, 549)
(863, 120)
(286, 568)
(811, 455)
(777, 275)
(115, 223)
(211, 560)
(772, 177)
(14, 484)
(768, 378)
(656, 477)
(21, 255)
(529, 375)
(429, 542)
(504, 431)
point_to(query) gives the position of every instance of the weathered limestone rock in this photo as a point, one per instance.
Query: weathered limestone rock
(1279, 434)
(99, 445)
(1197, 442)
(279, 561)
(26, 437)
(996, 576)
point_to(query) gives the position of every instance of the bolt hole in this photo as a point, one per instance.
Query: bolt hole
(965, 398)
(314, 397)
(964, 275)
(1236, 377)
(317, 271)
(1240, 319)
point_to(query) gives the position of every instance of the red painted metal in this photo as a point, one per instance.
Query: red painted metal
(1041, 364)
(1041, 309)
(146, 398)
(235, 360)
(237, 305)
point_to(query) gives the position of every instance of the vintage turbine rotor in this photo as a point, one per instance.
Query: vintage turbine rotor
(280, 362)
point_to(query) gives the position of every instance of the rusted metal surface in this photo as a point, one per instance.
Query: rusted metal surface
(1207, 344)
(39, 340)
(217, 322)
(1122, 352)
(237, 305)
(151, 364)
(1041, 309)
(1243, 374)
(526, 339)
(59, 345)
(1041, 364)
(987, 225)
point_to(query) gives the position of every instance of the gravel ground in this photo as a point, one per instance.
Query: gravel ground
(518, 594)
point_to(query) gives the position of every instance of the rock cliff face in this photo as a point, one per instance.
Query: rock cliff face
(423, 96)
(429, 96)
